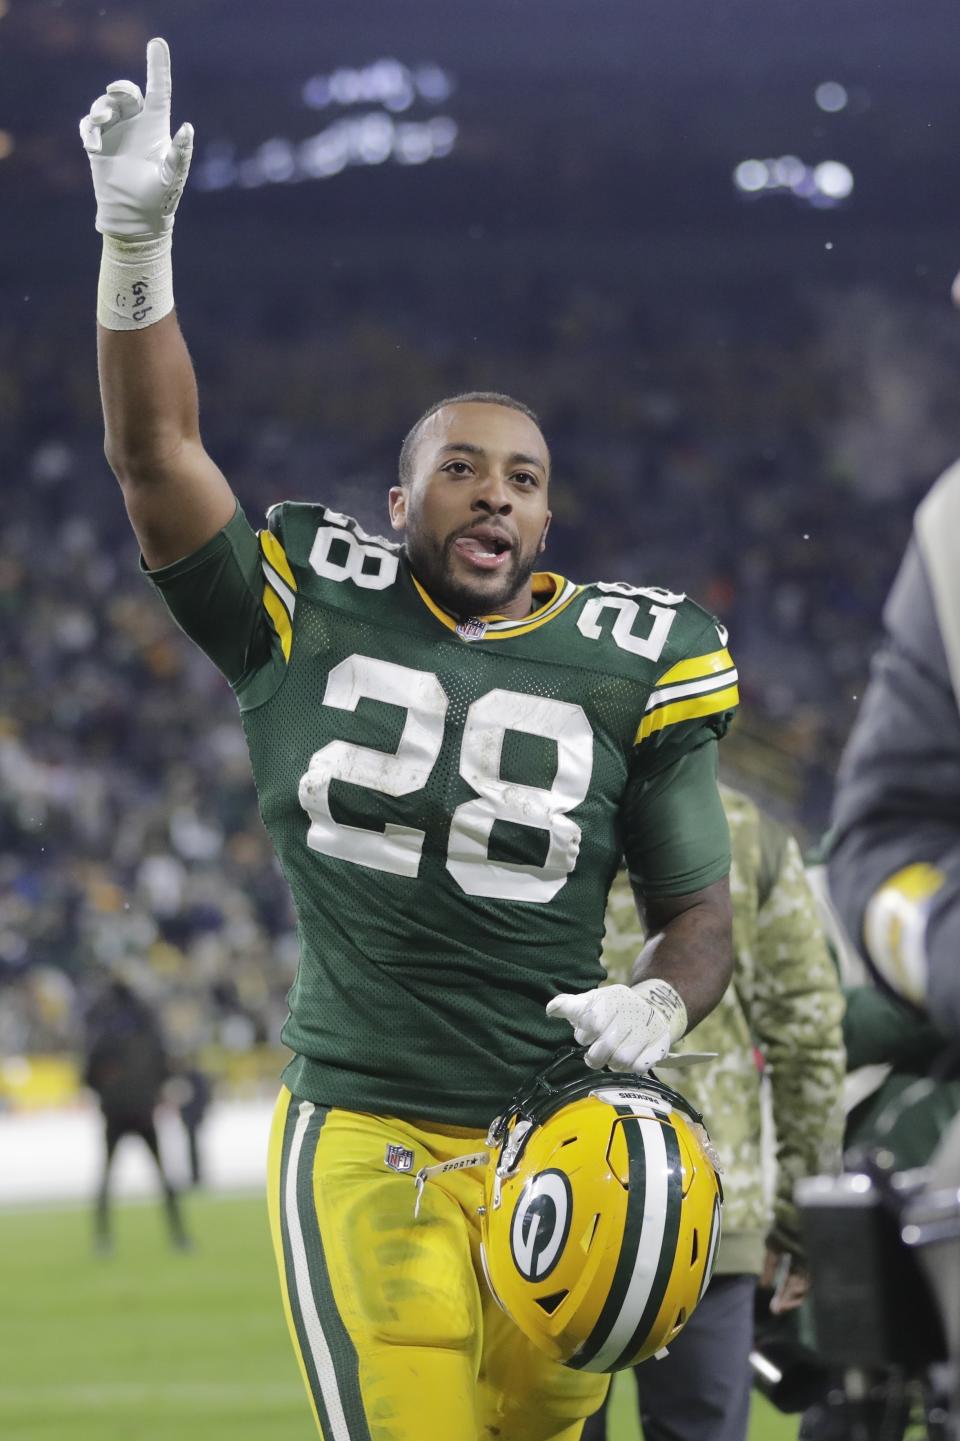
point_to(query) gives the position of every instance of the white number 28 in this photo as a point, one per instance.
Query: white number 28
(397, 849)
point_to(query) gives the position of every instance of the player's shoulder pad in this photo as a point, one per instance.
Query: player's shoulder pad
(306, 531)
(662, 627)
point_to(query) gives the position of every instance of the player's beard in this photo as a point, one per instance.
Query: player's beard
(432, 563)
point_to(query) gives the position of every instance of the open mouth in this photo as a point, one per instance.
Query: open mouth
(483, 552)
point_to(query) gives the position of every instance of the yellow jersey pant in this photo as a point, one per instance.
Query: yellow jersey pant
(397, 1335)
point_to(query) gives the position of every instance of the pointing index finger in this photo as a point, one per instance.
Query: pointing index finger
(158, 71)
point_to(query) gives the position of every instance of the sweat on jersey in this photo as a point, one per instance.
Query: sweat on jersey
(449, 799)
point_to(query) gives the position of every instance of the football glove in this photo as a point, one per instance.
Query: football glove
(138, 171)
(628, 1028)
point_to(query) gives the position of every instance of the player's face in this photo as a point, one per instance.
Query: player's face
(475, 513)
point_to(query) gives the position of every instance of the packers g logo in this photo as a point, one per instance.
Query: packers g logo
(541, 1224)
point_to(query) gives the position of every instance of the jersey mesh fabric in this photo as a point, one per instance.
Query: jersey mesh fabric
(416, 996)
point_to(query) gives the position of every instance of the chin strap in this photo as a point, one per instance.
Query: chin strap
(459, 1163)
(509, 1159)
(541, 1087)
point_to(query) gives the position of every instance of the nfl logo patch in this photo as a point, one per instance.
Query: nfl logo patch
(399, 1158)
(472, 629)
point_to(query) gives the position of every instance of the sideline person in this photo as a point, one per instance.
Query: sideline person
(126, 1066)
(784, 1006)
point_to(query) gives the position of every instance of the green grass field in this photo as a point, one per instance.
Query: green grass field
(155, 1345)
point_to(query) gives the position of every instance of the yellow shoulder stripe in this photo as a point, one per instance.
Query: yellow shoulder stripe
(277, 612)
(895, 926)
(697, 666)
(688, 709)
(277, 557)
(917, 882)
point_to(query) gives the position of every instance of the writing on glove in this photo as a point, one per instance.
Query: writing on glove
(627, 1028)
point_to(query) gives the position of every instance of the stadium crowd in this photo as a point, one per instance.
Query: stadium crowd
(715, 455)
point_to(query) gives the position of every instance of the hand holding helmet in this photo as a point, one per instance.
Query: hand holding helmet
(601, 1217)
(628, 1028)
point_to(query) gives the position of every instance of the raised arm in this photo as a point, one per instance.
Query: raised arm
(176, 497)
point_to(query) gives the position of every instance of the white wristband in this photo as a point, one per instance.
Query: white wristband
(136, 282)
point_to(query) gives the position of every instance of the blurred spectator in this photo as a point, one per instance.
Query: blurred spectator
(126, 1065)
(191, 1092)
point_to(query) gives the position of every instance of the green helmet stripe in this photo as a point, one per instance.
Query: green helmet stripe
(668, 1249)
(626, 1263)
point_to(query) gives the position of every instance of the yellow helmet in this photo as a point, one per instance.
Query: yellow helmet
(601, 1215)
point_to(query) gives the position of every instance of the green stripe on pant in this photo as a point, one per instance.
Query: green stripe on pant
(328, 1352)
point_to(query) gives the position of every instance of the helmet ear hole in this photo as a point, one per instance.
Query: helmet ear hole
(589, 1233)
(695, 1246)
(618, 1155)
(551, 1302)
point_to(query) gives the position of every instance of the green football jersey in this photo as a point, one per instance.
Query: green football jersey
(449, 800)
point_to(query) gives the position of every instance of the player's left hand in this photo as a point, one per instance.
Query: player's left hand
(627, 1028)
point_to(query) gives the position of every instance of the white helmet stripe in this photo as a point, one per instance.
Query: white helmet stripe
(650, 1246)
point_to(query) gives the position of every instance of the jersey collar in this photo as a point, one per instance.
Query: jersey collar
(553, 592)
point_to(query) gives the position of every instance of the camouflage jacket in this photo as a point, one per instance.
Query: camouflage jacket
(783, 1004)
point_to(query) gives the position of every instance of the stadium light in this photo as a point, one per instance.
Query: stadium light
(825, 184)
(831, 96)
(789, 171)
(386, 82)
(751, 176)
(833, 179)
(371, 137)
(367, 140)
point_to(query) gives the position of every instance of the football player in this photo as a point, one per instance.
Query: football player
(451, 750)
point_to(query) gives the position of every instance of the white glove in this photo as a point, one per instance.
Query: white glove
(138, 171)
(628, 1028)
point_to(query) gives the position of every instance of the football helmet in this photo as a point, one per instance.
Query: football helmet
(601, 1214)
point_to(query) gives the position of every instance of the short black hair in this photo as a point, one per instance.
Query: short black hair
(470, 397)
